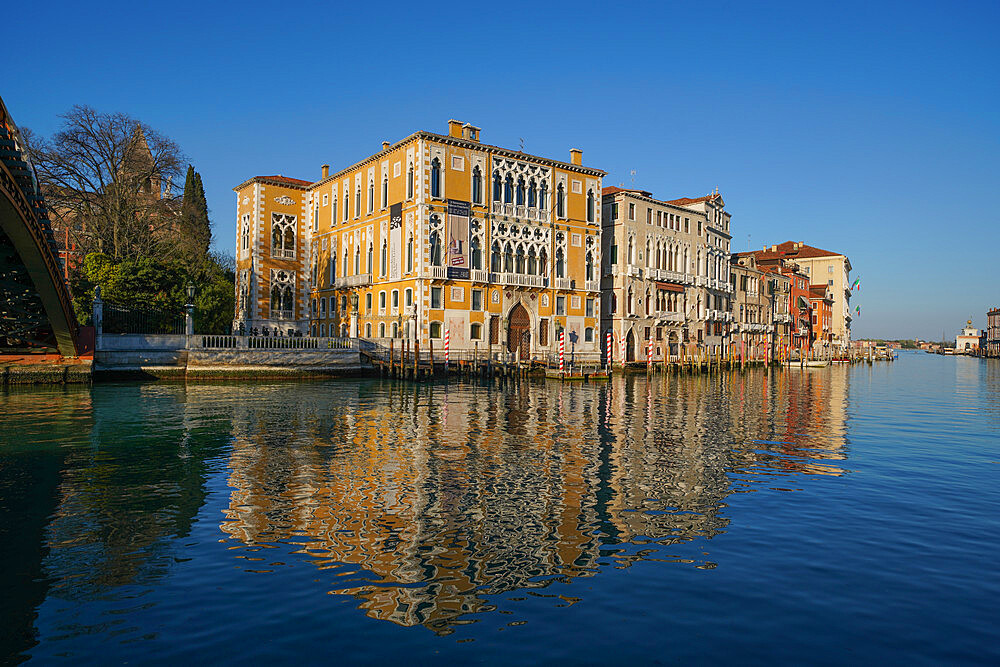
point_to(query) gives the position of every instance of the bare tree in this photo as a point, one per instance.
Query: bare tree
(113, 181)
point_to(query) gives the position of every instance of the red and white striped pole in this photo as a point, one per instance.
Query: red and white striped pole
(610, 349)
(447, 341)
(649, 353)
(623, 351)
(562, 349)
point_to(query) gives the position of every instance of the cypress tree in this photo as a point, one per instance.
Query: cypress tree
(203, 227)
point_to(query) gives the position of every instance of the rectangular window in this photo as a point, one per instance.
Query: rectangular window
(590, 308)
(560, 305)
(687, 225)
(395, 301)
(699, 228)
(477, 299)
(368, 303)
(649, 216)
(631, 211)
(435, 297)
(408, 298)
(614, 210)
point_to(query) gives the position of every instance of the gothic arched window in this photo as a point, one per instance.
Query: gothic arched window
(560, 201)
(532, 193)
(477, 253)
(436, 249)
(477, 186)
(508, 189)
(495, 258)
(590, 205)
(409, 183)
(435, 178)
(560, 263)
(497, 186)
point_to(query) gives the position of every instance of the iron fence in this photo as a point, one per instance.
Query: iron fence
(120, 319)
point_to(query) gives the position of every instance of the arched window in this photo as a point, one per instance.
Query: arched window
(560, 263)
(590, 266)
(409, 255)
(368, 330)
(520, 192)
(357, 201)
(560, 201)
(477, 253)
(646, 304)
(371, 195)
(543, 196)
(631, 250)
(532, 193)
(495, 258)
(395, 330)
(629, 302)
(590, 205)
(435, 249)
(532, 268)
(333, 210)
(347, 261)
(497, 187)
(614, 303)
(435, 329)
(508, 259)
(357, 260)
(384, 258)
(649, 259)
(409, 193)
(381, 330)
(543, 262)
(385, 191)
(477, 186)
(508, 189)
(368, 264)
(519, 260)
(333, 265)
(435, 178)
(588, 335)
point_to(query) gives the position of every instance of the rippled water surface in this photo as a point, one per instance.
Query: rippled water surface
(815, 516)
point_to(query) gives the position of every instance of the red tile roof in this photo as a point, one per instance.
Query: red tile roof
(789, 251)
(612, 189)
(286, 179)
(684, 201)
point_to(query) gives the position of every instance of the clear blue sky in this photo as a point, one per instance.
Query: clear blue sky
(868, 128)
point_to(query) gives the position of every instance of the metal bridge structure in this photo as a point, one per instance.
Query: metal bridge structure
(36, 312)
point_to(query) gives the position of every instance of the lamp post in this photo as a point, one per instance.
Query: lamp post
(189, 311)
(354, 314)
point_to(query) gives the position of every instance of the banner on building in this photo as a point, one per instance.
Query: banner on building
(395, 240)
(458, 233)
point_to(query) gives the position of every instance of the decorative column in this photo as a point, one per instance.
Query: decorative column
(354, 314)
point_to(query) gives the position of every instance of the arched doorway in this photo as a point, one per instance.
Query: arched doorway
(518, 325)
(630, 346)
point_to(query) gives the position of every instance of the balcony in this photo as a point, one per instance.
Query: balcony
(359, 280)
(669, 316)
(479, 276)
(520, 211)
(518, 280)
(282, 253)
(634, 271)
(565, 283)
(593, 285)
(438, 272)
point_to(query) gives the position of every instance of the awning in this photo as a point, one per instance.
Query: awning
(670, 287)
(803, 302)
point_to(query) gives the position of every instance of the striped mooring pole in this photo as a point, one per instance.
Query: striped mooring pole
(562, 349)
(649, 353)
(447, 341)
(610, 349)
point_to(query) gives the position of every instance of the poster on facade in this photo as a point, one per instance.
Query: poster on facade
(395, 240)
(458, 234)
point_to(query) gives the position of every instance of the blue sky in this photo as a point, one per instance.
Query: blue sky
(868, 128)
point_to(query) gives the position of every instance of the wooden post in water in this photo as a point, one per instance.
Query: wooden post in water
(390, 357)
(430, 344)
(416, 358)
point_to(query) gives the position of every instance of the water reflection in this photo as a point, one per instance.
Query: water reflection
(425, 500)
(422, 502)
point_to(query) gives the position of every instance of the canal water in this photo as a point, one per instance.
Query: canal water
(808, 515)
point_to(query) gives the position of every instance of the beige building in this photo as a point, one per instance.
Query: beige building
(665, 275)
(830, 269)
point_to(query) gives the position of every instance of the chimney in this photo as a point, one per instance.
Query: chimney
(470, 132)
(455, 128)
(385, 145)
(325, 170)
(576, 156)
(774, 248)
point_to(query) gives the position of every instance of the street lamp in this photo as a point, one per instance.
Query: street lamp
(189, 310)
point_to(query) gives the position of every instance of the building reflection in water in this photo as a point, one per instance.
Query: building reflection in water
(425, 500)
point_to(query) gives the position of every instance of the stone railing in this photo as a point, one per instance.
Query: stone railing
(520, 211)
(214, 342)
(359, 280)
(519, 280)
(593, 285)
(564, 283)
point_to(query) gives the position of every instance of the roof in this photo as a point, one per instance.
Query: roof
(612, 189)
(285, 179)
(817, 291)
(279, 179)
(686, 201)
(793, 250)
